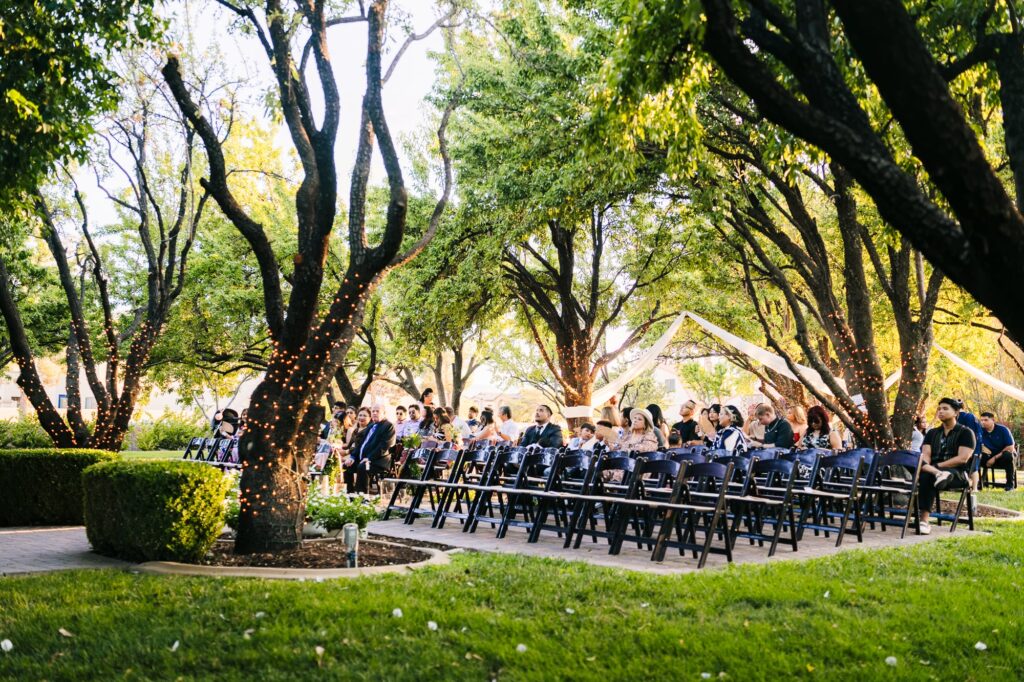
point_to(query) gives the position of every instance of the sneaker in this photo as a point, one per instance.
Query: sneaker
(942, 480)
(926, 528)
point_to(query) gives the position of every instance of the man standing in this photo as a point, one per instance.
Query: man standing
(946, 458)
(687, 428)
(543, 432)
(998, 449)
(778, 433)
(509, 431)
(373, 456)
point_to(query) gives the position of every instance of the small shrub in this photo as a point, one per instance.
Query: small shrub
(335, 510)
(44, 487)
(153, 511)
(23, 433)
(169, 432)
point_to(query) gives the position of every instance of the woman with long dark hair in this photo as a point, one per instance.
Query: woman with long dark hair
(660, 425)
(819, 434)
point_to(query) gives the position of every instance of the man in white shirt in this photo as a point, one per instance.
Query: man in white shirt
(509, 430)
(459, 423)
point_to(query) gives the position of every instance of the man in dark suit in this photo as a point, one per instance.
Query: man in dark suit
(543, 432)
(372, 455)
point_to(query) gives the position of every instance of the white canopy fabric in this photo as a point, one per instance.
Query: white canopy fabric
(650, 357)
(766, 358)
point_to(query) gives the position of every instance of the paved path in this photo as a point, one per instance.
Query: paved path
(550, 545)
(37, 550)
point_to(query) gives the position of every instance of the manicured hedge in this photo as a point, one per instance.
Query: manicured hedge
(44, 487)
(153, 511)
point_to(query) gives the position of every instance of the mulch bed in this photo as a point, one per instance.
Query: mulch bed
(315, 554)
(984, 511)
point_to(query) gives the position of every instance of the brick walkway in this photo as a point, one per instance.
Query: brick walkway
(550, 545)
(37, 550)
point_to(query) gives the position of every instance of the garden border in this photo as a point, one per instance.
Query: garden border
(436, 558)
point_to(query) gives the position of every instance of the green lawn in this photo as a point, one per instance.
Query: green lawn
(839, 617)
(1013, 499)
(151, 454)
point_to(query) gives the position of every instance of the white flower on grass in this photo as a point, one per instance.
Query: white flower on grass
(827, 592)
(644, 604)
(319, 651)
(521, 648)
(6, 645)
(431, 625)
(570, 611)
(65, 633)
(980, 646)
(890, 660)
(248, 633)
(705, 676)
(260, 614)
(174, 647)
(397, 613)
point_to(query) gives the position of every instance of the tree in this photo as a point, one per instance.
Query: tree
(309, 345)
(781, 210)
(164, 209)
(582, 248)
(56, 78)
(813, 68)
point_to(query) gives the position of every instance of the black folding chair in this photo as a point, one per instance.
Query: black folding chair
(194, 449)
(696, 519)
(771, 504)
(833, 495)
(415, 469)
(965, 502)
(458, 493)
(888, 487)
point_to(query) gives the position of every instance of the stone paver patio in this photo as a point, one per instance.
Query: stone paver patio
(550, 545)
(36, 550)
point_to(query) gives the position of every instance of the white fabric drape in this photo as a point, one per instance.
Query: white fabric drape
(650, 357)
(766, 358)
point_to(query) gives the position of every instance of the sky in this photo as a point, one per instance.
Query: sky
(404, 94)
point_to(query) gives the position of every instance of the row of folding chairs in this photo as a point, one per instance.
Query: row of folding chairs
(220, 452)
(658, 500)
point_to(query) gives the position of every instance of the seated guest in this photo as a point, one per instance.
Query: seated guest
(777, 431)
(605, 433)
(687, 427)
(473, 420)
(349, 450)
(444, 430)
(458, 422)
(709, 424)
(543, 432)
(730, 431)
(611, 414)
(753, 429)
(487, 429)
(998, 451)
(819, 434)
(401, 422)
(797, 418)
(508, 431)
(917, 435)
(675, 440)
(641, 436)
(428, 425)
(660, 425)
(587, 438)
(945, 458)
